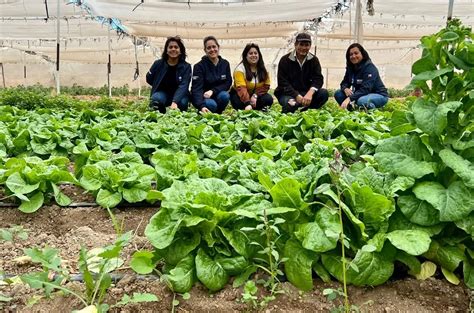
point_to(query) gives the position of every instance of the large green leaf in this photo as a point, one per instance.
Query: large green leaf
(462, 167)
(211, 273)
(430, 75)
(35, 202)
(447, 256)
(468, 272)
(413, 242)
(183, 244)
(161, 229)
(431, 117)
(91, 177)
(374, 208)
(135, 194)
(366, 269)
(404, 156)
(418, 211)
(18, 185)
(108, 199)
(142, 262)
(453, 203)
(286, 193)
(467, 224)
(233, 265)
(182, 277)
(298, 267)
(322, 234)
(60, 197)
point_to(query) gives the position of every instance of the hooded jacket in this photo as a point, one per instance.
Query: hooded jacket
(183, 77)
(207, 76)
(294, 79)
(363, 79)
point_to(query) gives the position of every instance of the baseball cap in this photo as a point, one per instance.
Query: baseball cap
(303, 37)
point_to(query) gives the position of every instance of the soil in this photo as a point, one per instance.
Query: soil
(66, 229)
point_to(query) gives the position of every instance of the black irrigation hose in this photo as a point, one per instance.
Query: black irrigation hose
(89, 205)
(79, 278)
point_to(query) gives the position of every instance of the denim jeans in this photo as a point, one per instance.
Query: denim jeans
(370, 101)
(160, 100)
(217, 103)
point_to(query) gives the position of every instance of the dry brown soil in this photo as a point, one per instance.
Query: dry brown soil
(67, 229)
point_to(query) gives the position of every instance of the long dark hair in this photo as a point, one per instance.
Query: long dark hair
(180, 43)
(262, 72)
(365, 54)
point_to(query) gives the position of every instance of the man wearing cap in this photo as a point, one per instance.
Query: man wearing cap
(300, 79)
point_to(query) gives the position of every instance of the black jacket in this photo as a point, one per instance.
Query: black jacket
(294, 80)
(183, 77)
(364, 79)
(207, 76)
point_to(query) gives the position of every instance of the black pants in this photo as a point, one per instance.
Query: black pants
(319, 99)
(263, 101)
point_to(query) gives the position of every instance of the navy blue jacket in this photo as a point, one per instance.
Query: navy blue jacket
(207, 76)
(363, 79)
(183, 77)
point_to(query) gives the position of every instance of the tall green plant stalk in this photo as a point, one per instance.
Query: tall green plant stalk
(336, 168)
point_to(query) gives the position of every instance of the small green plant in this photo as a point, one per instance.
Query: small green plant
(249, 294)
(334, 294)
(94, 265)
(271, 261)
(13, 232)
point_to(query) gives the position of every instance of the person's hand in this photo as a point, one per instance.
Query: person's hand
(248, 108)
(307, 98)
(205, 110)
(208, 94)
(299, 99)
(348, 92)
(173, 105)
(253, 101)
(345, 103)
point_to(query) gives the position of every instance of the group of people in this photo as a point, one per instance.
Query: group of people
(299, 80)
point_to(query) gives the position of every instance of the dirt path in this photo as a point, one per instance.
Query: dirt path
(67, 229)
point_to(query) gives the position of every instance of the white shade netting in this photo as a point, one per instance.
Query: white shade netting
(28, 32)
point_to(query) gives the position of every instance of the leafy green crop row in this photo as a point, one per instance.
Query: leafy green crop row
(351, 196)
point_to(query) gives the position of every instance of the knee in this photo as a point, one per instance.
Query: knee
(339, 95)
(211, 105)
(323, 95)
(158, 97)
(223, 97)
(183, 104)
(267, 100)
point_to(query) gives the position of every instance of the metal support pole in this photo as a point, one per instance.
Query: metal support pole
(137, 69)
(109, 65)
(58, 88)
(3, 75)
(358, 37)
(450, 10)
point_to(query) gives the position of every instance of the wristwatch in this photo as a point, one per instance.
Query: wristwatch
(255, 96)
(314, 89)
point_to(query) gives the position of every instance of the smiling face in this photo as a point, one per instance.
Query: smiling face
(173, 51)
(355, 56)
(302, 48)
(212, 49)
(252, 56)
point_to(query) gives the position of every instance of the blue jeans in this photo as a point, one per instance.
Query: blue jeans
(217, 103)
(370, 101)
(160, 100)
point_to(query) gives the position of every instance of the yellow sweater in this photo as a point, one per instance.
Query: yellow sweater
(245, 89)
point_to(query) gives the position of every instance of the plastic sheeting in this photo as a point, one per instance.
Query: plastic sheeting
(28, 34)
